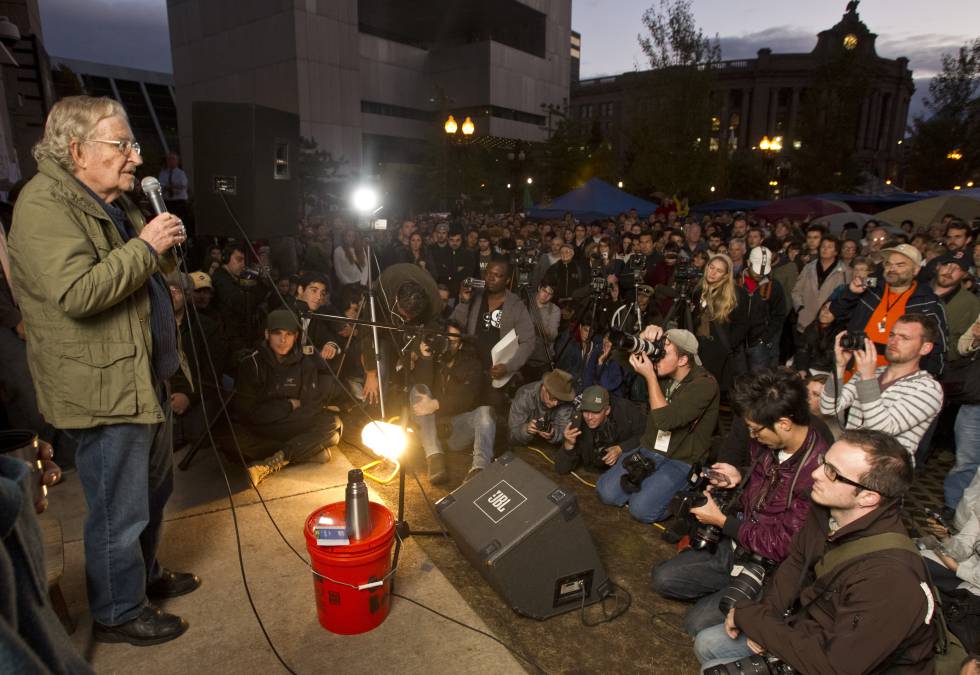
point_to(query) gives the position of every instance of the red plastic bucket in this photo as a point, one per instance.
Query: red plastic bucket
(342, 609)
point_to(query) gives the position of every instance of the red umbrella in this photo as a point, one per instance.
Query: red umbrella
(800, 208)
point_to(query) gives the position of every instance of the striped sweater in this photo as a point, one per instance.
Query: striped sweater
(905, 409)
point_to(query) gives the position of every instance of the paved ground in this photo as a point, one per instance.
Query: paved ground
(225, 638)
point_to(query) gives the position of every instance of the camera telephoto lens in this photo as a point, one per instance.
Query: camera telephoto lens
(654, 349)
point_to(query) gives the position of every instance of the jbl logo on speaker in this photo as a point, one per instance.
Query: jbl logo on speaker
(499, 501)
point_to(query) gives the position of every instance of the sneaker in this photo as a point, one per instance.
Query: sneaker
(472, 473)
(259, 471)
(438, 474)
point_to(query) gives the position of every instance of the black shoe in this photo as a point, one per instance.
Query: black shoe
(438, 474)
(171, 584)
(151, 627)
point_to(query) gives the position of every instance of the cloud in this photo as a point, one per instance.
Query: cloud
(780, 39)
(121, 32)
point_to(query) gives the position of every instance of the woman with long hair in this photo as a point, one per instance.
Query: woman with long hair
(350, 259)
(416, 247)
(721, 322)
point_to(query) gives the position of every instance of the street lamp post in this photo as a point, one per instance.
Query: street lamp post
(770, 149)
(451, 127)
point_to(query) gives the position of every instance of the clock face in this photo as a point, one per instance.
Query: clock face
(850, 41)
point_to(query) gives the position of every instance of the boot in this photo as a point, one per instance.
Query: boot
(259, 471)
(438, 474)
(472, 473)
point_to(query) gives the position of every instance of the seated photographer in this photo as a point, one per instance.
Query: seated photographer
(278, 404)
(683, 415)
(406, 294)
(901, 398)
(608, 425)
(603, 369)
(451, 389)
(542, 409)
(777, 461)
(845, 599)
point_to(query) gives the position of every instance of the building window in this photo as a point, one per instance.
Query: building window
(715, 123)
(280, 167)
(713, 144)
(607, 109)
(586, 111)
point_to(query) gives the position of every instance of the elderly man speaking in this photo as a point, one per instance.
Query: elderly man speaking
(101, 344)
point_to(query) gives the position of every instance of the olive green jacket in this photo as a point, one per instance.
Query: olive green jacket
(83, 295)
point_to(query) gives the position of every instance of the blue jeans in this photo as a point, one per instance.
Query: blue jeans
(126, 472)
(649, 504)
(476, 427)
(713, 647)
(699, 576)
(967, 434)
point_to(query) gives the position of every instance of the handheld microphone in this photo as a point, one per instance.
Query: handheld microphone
(151, 188)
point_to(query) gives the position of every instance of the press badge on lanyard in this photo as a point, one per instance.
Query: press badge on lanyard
(663, 437)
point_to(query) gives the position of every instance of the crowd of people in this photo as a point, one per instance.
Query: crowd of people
(615, 345)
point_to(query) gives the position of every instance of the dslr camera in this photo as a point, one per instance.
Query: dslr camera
(685, 272)
(633, 344)
(598, 284)
(703, 536)
(748, 583)
(752, 665)
(853, 340)
(544, 424)
(638, 468)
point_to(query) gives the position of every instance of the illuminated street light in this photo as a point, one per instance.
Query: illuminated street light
(450, 126)
(776, 144)
(530, 180)
(969, 183)
(508, 186)
(620, 185)
(954, 154)
(764, 143)
(712, 188)
(468, 127)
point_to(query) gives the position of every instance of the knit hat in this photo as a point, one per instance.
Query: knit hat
(282, 319)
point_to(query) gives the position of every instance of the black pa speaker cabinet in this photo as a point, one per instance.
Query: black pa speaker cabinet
(249, 154)
(526, 537)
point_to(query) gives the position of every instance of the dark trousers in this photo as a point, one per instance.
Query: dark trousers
(698, 576)
(298, 439)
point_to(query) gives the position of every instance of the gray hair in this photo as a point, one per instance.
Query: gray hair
(73, 119)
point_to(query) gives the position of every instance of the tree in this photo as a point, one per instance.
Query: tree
(828, 125)
(317, 170)
(670, 123)
(944, 148)
(574, 152)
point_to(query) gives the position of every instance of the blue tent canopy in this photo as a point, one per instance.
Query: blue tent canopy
(728, 205)
(595, 200)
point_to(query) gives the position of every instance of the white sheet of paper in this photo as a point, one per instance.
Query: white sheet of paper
(503, 352)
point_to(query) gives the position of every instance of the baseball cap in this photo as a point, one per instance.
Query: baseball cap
(595, 399)
(200, 280)
(685, 341)
(282, 319)
(644, 289)
(760, 260)
(909, 251)
(958, 258)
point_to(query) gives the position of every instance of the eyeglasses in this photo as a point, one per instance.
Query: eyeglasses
(754, 431)
(123, 146)
(834, 475)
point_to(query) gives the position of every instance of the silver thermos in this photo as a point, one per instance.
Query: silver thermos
(358, 507)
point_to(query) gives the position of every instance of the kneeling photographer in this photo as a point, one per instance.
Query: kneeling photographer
(542, 409)
(682, 418)
(732, 553)
(608, 424)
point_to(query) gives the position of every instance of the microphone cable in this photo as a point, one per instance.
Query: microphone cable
(182, 264)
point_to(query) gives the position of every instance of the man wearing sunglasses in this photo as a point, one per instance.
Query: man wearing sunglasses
(871, 611)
